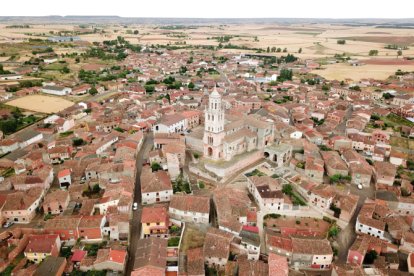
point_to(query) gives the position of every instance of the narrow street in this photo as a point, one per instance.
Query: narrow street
(347, 235)
(135, 227)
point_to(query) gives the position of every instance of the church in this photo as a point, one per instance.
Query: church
(225, 137)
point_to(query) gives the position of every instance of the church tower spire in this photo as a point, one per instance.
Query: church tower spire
(214, 126)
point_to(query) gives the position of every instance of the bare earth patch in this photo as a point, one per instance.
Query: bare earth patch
(41, 103)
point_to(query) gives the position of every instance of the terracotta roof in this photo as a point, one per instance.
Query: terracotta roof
(41, 243)
(217, 243)
(78, 255)
(151, 252)
(154, 214)
(190, 203)
(195, 261)
(278, 265)
(311, 246)
(154, 182)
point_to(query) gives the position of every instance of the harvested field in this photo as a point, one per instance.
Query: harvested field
(385, 61)
(41, 103)
(342, 71)
(399, 40)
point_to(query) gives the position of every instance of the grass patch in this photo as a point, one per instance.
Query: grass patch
(296, 199)
(174, 241)
(255, 172)
(66, 133)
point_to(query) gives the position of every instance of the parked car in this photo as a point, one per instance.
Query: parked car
(8, 224)
(360, 186)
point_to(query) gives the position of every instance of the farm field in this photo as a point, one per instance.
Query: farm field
(41, 103)
(342, 71)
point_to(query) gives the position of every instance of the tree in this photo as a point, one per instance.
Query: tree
(96, 189)
(370, 257)
(191, 86)
(300, 50)
(77, 142)
(268, 49)
(341, 41)
(136, 32)
(93, 91)
(373, 53)
(399, 53)
(333, 231)
(155, 166)
(285, 74)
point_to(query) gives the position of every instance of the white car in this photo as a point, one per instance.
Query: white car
(359, 186)
(8, 224)
(135, 206)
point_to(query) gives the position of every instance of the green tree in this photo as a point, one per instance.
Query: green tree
(341, 41)
(77, 142)
(93, 91)
(300, 50)
(373, 53)
(136, 32)
(155, 166)
(191, 86)
(370, 257)
(399, 53)
(268, 49)
(96, 188)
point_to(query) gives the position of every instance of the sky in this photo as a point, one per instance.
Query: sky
(214, 8)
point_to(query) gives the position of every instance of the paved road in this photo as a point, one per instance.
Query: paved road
(347, 235)
(135, 222)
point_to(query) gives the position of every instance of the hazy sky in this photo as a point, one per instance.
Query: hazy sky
(214, 8)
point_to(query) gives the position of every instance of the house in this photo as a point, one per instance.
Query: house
(111, 260)
(8, 145)
(334, 164)
(364, 244)
(51, 266)
(314, 169)
(311, 253)
(28, 137)
(367, 224)
(195, 262)
(359, 169)
(278, 244)
(232, 206)
(64, 178)
(59, 154)
(384, 173)
(56, 90)
(90, 227)
(155, 222)
(42, 246)
(217, 247)
(322, 196)
(248, 267)
(250, 241)
(150, 257)
(278, 265)
(20, 207)
(65, 226)
(56, 202)
(10, 77)
(155, 186)
(170, 124)
(189, 208)
(267, 192)
(119, 226)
